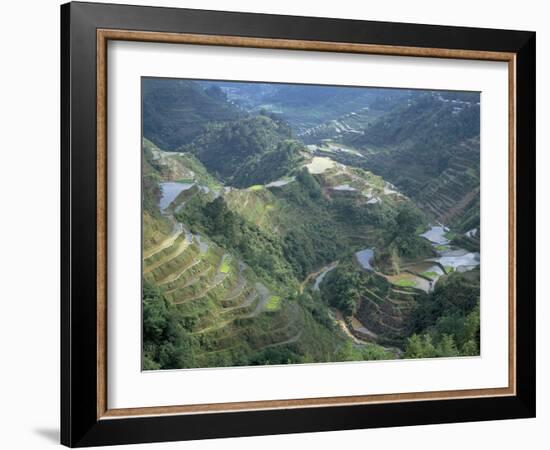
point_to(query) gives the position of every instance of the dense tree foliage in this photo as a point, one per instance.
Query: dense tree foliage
(447, 321)
(270, 165)
(166, 343)
(176, 111)
(344, 287)
(427, 121)
(249, 151)
(258, 249)
(403, 235)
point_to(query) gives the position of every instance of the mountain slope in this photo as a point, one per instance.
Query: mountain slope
(248, 151)
(219, 290)
(306, 106)
(429, 149)
(176, 111)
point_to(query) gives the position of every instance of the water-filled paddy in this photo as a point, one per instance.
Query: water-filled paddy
(344, 187)
(436, 235)
(364, 257)
(281, 182)
(170, 190)
(460, 259)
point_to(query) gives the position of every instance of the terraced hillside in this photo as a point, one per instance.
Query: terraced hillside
(310, 108)
(429, 148)
(231, 313)
(385, 310)
(376, 307)
(175, 111)
(220, 300)
(293, 228)
(341, 127)
(456, 190)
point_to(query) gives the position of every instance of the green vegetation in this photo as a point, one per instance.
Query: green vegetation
(249, 151)
(446, 323)
(274, 303)
(232, 269)
(432, 275)
(256, 187)
(258, 249)
(166, 343)
(450, 235)
(225, 267)
(406, 283)
(401, 240)
(429, 148)
(343, 288)
(176, 111)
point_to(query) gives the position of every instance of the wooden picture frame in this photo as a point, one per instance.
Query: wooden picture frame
(86, 418)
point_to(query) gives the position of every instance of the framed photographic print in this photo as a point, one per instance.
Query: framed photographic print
(276, 224)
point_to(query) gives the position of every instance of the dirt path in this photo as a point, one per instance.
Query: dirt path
(218, 279)
(249, 299)
(168, 242)
(339, 318)
(291, 340)
(176, 276)
(238, 289)
(191, 281)
(179, 250)
(263, 292)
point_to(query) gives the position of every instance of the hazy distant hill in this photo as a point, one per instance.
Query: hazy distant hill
(306, 106)
(176, 111)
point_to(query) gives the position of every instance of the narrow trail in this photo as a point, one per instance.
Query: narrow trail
(249, 299)
(177, 275)
(263, 292)
(219, 278)
(168, 242)
(291, 340)
(339, 318)
(191, 281)
(237, 290)
(179, 250)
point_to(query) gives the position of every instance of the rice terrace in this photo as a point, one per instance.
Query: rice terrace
(293, 224)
